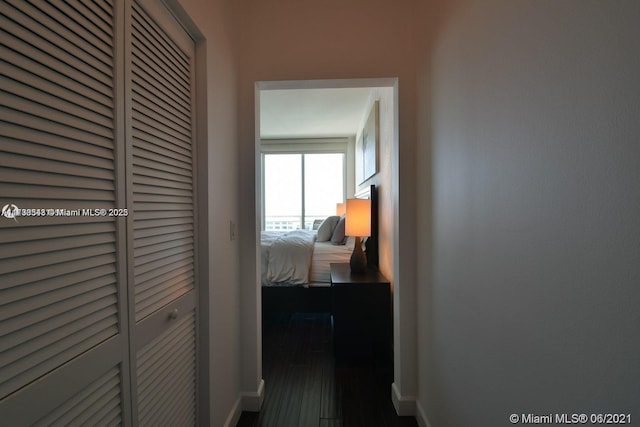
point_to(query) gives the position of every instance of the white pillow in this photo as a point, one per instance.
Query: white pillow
(338, 237)
(325, 231)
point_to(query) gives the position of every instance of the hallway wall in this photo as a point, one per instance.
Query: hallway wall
(528, 298)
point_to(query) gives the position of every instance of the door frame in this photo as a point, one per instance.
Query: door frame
(253, 342)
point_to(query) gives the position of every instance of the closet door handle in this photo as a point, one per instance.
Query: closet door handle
(174, 314)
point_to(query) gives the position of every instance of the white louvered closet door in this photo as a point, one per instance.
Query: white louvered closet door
(63, 338)
(161, 196)
(97, 313)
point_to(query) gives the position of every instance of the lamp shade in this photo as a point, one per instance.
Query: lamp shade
(358, 221)
(340, 209)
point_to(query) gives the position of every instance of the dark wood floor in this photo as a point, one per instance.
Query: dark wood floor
(305, 386)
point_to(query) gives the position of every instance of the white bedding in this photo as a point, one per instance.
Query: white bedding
(279, 270)
(288, 257)
(324, 253)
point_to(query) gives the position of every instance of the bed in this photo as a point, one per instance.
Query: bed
(296, 275)
(298, 258)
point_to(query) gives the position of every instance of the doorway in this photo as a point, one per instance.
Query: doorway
(384, 90)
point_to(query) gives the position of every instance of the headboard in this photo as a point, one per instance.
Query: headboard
(371, 244)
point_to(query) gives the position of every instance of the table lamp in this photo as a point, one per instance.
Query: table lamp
(358, 224)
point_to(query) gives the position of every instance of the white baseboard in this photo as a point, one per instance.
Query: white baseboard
(252, 401)
(405, 405)
(234, 415)
(421, 416)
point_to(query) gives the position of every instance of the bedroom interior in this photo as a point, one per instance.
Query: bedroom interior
(326, 117)
(306, 303)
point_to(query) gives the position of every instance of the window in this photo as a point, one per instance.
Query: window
(299, 188)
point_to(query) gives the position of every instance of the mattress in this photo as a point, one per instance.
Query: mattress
(325, 253)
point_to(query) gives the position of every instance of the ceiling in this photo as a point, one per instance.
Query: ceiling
(312, 113)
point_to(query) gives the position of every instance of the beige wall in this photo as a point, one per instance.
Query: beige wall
(293, 40)
(217, 160)
(385, 178)
(529, 292)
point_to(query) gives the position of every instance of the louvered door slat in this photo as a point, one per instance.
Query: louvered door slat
(172, 276)
(148, 215)
(53, 303)
(162, 45)
(154, 298)
(34, 170)
(38, 364)
(166, 189)
(102, 396)
(150, 159)
(144, 242)
(161, 167)
(181, 229)
(48, 52)
(150, 363)
(74, 38)
(62, 38)
(166, 122)
(178, 113)
(63, 137)
(90, 13)
(158, 390)
(146, 90)
(24, 191)
(179, 209)
(165, 69)
(164, 222)
(27, 350)
(162, 68)
(95, 407)
(55, 147)
(41, 59)
(46, 246)
(93, 275)
(32, 176)
(159, 182)
(41, 156)
(175, 286)
(44, 127)
(149, 250)
(40, 276)
(153, 79)
(17, 64)
(59, 318)
(79, 102)
(16, 235)
(181, 365)
(163, 225)
(157, 127)
(87, 17)
(161, 142)
(57, 102)
(10, 265)
(167, 262)
(57, 111)
(160, 199)
(59, 291)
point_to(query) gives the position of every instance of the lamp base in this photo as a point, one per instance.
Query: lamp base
(358, 260)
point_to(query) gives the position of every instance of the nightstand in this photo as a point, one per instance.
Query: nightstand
(361, 309)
